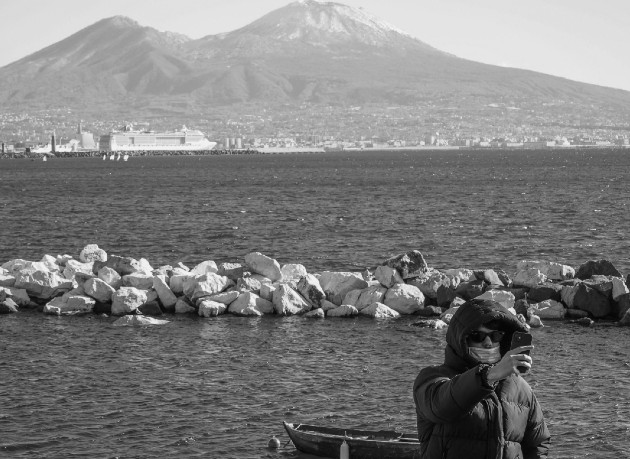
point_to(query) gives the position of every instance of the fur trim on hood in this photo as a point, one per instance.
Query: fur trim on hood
(469, 317)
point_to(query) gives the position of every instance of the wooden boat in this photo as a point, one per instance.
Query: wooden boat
(365, 444)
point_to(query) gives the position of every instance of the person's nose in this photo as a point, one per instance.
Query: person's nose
(487, 342)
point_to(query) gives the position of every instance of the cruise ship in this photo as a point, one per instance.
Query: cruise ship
(128, 139)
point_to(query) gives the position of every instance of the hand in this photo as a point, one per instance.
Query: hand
(509, 364)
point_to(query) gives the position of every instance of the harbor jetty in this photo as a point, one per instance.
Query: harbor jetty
(96, 282)
(144, 153)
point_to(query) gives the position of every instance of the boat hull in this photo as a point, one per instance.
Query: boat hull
(367, 444)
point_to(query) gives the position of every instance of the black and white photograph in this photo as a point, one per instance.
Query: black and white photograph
(354, 229)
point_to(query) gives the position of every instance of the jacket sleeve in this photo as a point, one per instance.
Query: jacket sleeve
(537, 439)
(443, 400)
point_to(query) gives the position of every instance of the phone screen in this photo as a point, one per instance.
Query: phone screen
(521, 339)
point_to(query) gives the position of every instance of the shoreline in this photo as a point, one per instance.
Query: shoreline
(258, 285)
(301, 150)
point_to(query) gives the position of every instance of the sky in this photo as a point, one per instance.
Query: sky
(582, 40)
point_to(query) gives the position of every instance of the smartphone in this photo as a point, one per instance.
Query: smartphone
(521, 339)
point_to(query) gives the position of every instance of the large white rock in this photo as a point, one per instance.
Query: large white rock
(50, 262)
(82, 278)
(250, 304)
(110, 276)
(266, 291)
(205, 285)
(262, 264)
(208, 308)
(79, 304)
(404, 298)
(144, 266)
(549, 309)
(287, 302)
(204, 267)
(18, 264)
(164, 292)
(530, 277)
(365, 297)
(127, 299)
(41, 283)
(345, 310)
(73, 304)
(619, 288)
(137, 320)
(430, 281)
(73, 267)
(388, 276)
(139, 279)
(337, 284)
(249, 283)
(311, 290)
(506, 299)
(231, 270)
(379, 311)
(91, 252)
(53, 307)
(177, 280)
(98, 289)
(293, 272)
(224, 297)
(553, 270)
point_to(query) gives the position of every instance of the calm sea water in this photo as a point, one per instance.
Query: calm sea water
(78, 387)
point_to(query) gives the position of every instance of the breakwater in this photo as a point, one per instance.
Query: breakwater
(100, 154)
(141, 153)
(97, 282)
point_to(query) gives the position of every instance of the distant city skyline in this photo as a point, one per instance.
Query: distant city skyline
(581, 40)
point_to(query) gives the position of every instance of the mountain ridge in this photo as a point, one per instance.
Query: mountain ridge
(310, 52)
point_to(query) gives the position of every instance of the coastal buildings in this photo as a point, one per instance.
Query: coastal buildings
(336, 129)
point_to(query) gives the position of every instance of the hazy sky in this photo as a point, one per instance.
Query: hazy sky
(583, 40)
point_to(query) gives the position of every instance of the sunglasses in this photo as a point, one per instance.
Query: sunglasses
(479, 336)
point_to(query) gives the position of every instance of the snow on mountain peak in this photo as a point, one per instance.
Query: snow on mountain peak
(322, 22)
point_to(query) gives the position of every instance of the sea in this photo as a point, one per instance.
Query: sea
(222, 387)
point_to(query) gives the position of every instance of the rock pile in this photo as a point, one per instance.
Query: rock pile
(403, 285)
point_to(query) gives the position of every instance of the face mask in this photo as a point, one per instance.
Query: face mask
(485, 355)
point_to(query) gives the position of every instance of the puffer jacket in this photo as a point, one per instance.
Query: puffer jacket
(460, 417)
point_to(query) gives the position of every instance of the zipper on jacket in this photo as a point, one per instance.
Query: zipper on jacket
(486, 409)
(499, 427)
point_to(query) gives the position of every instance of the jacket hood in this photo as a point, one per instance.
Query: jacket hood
(469, 317)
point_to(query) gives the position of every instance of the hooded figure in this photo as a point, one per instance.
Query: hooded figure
(461, 412)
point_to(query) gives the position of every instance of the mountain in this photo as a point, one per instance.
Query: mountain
(309, 52)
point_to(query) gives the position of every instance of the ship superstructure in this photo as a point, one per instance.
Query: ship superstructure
(128, 139)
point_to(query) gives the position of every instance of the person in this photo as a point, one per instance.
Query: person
(476, 405)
